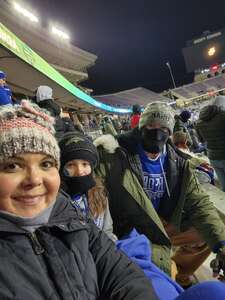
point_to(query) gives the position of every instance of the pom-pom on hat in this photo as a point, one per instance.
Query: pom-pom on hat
(158, 112)
(26, 128)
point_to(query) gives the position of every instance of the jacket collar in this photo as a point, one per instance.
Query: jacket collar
(63, 213)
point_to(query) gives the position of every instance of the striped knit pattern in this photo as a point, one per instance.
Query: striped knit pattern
(26, 132)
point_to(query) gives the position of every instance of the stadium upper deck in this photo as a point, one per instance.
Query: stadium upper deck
(71, 61)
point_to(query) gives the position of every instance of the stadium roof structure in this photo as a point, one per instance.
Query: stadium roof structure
(201, 88)
(127, 98)
(26, 70)
(71, 61)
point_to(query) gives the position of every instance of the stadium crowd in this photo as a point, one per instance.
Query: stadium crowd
(123, 216)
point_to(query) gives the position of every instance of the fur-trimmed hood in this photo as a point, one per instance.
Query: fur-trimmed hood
(108, 142)
(128, 141)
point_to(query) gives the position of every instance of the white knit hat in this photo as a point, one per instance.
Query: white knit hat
(44, 92)
(26, 128)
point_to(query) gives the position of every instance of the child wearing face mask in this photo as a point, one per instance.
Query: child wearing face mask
(79, 157)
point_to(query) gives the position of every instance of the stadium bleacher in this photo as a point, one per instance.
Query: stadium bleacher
(200, 88)
(127, 98)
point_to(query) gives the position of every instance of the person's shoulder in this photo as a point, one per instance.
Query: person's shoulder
(129, 140)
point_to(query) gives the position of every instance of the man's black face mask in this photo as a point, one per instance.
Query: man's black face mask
(153, 140)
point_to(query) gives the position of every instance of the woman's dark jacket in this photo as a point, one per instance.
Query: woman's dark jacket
(69, 258)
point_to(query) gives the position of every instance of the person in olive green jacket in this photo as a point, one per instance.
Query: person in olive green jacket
(152, 188)
(107, 126)
(211, 129)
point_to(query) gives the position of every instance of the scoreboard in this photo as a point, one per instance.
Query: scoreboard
(205, 51)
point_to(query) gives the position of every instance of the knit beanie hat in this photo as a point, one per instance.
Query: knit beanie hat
(185, 115)
(26, 128)
(136, 109)
(44, 92)
(75, 145)
(158, 112)
(2, 75)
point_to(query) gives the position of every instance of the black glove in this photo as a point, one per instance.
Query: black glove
(218, 264)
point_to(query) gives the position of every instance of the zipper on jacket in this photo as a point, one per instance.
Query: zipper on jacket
(38, 249)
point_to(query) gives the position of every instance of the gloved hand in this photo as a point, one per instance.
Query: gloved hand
(218, 264)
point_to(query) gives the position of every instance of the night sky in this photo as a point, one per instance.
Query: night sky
(133, 39)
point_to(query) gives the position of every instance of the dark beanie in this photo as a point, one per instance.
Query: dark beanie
(75, 145)
(136, 109)
(185, 115)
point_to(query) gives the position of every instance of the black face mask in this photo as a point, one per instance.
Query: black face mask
(153, 140)
(79, 184)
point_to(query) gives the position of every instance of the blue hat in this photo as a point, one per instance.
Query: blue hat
(2, 75)
(185, 115)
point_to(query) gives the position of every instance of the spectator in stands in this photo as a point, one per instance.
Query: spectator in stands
(107, 126)
(79, 157)
(48, 249)
(116, 123)
(5, 92)
(135, 117)
(211, 129)
(75, 120)
(152, 188)
(181, 124)
(44, 99)
(63, 124)
(200, 163)
(125, 125)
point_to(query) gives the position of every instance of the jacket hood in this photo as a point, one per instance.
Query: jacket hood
(208, 112)
(108, 142)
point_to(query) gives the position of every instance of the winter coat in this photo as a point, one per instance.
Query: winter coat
(69, 258)
(130, 207)
(62, 125)
(4, 97)
(50, 105)
(134, 120)
(182, 126)
(211, 129)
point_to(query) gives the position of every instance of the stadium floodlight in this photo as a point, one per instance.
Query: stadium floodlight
(61, 34)
(27, 14)
(211, 51)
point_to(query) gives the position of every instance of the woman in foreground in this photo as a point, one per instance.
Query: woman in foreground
(48, 250)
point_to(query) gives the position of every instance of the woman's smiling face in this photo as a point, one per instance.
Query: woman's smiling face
(29, 183)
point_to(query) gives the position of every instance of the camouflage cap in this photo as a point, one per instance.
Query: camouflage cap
(158, 112)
